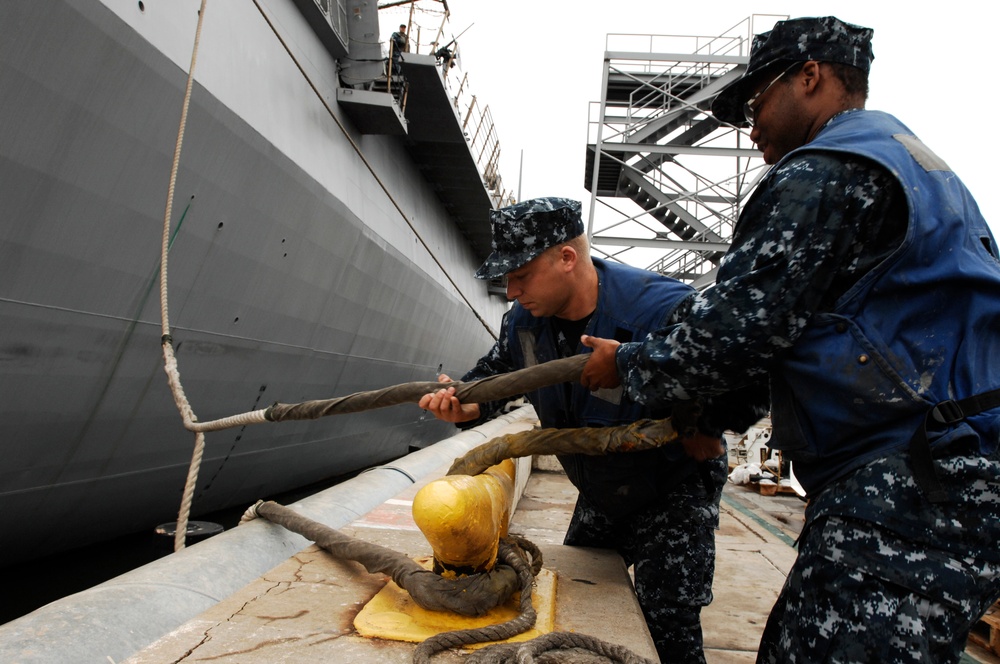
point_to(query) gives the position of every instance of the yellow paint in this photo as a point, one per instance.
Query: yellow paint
(393, 615)
(463, 517)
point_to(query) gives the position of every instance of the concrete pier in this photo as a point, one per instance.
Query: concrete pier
(303, 609)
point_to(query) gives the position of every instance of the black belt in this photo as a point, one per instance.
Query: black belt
(947, 412)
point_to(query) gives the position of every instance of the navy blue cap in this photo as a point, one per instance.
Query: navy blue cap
(524, 230)
(824, 39)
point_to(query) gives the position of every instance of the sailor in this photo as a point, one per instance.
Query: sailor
(400, 44)
(657, 508)
(863, 285)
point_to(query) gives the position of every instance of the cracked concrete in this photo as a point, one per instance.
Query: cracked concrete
(303, 609)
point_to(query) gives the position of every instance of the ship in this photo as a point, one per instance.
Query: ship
(329, 209)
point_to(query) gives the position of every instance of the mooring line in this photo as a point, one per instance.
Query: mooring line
(169, 361)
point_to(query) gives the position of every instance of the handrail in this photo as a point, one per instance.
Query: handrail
(477, 121)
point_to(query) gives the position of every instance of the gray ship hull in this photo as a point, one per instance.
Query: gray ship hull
(292, 274)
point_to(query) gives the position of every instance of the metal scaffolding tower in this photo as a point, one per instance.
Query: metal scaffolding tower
(670, 179)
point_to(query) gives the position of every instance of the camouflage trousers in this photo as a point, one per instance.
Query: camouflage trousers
(904, 587)
(671, 544)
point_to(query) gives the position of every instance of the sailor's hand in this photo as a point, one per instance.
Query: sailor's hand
(702, 448)
(600, 370)
(444, 405)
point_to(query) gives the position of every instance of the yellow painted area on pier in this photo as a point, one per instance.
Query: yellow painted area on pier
(392, 614)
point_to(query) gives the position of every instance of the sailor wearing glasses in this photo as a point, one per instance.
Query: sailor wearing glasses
(863, 288)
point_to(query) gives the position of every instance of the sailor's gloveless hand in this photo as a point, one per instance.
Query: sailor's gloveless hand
(701, 447)
(600, 370)
(444, 405)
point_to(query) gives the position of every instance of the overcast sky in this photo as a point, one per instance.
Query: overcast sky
(538, 64)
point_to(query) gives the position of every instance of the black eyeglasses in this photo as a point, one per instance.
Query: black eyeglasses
(749, 107)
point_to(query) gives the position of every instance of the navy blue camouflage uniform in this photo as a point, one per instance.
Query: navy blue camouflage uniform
(659, 509)
(863, 285)
(400, 44)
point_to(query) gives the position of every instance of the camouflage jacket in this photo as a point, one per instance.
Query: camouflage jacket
(820, 223)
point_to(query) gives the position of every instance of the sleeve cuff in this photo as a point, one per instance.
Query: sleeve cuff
(624, 355)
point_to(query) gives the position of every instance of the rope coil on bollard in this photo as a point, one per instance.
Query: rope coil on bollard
(512, 554)
(468, 596)
(521, 562)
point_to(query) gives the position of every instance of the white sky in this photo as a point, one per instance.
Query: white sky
(537, 64)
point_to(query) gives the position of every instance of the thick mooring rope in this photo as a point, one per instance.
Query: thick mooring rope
(513, 554)
(548, 648)
(470, 595)
(491, 388)
(594, 441)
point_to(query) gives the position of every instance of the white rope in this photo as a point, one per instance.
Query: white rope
(243, 419)
(251, 513)
(169, 361)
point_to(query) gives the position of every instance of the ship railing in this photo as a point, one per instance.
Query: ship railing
(428, 29)
(396, 82)
(481, 133)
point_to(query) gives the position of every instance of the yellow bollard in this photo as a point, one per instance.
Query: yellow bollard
(463, 517)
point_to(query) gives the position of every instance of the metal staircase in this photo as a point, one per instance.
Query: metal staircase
(667, 179)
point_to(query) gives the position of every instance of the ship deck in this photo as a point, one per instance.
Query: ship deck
(303, 609)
